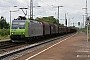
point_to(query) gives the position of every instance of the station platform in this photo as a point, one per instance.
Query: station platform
(75, 47)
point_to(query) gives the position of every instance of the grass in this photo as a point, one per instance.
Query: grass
(88, 39)
(4, 37)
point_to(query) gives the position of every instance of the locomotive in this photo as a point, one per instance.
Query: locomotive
(23, 29)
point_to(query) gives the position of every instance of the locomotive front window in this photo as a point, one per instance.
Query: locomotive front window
(18, 25)
(22, 25)
(14, 25)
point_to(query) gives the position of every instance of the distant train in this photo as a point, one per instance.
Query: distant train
(23, 29)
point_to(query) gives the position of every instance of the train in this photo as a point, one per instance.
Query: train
(23, 29)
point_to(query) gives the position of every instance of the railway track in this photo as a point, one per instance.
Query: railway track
(27, 49)
(8, 44)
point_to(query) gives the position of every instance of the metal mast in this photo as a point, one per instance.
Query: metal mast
(86, 20)
(86, 9)
(58, 12)
(31, 9)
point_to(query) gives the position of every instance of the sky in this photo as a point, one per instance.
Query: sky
(72, 9)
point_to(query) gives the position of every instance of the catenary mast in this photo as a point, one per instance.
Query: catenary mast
(31, 9)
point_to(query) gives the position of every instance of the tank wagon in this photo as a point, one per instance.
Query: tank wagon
(23, 29)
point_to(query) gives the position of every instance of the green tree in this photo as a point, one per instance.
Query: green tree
(49, 19)
(4, 32)
(3, 23)
(72, 26)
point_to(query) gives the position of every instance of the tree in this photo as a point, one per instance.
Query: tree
(3, 23)
(49, 19)
(72, 26)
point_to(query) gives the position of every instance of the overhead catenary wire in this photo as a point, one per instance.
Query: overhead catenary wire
(45, 3)
(13, 4)
(9, 2)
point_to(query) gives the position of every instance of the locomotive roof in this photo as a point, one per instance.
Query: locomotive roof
(18, 20)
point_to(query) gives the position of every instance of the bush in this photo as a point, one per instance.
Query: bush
(4, 32)
(88, 39)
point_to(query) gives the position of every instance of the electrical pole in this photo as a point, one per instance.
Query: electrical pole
(73, 24)
(58, 12)
(65, 19)
(31, 9)
(86, 20)
(83, 21)
(86, 23)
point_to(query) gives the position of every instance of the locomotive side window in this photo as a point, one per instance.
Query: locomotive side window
(31, 21)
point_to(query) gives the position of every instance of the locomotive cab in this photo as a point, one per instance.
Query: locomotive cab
(18, 28)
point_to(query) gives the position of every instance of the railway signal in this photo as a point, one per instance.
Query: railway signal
(79, 23)
(66, 22)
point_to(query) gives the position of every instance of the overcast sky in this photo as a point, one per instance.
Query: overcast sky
(73, 9)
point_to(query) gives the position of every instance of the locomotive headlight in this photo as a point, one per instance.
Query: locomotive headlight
(23, 33)
(12, 33)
